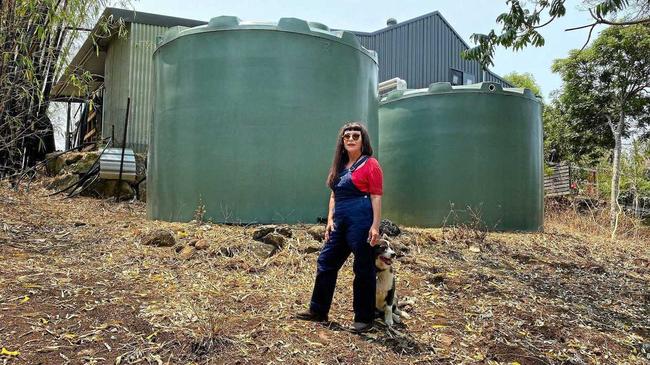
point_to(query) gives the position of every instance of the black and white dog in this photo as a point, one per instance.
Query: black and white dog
(386, 299)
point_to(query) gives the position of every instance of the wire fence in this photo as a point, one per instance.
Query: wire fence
(592, 183)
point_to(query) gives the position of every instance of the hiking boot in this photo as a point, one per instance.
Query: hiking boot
(360, 327)
(310, 315)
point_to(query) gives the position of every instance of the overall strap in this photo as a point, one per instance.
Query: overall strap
(361, 160)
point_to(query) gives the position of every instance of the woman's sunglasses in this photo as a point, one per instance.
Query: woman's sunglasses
(354, 136)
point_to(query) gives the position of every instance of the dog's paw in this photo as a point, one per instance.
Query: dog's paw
(403, 314)
(388, 320)
(396, 318)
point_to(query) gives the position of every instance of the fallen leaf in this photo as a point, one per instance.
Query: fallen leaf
(24, 300)
(9, 353)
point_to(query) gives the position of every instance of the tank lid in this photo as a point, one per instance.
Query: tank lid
(292, 25)
(446, 88)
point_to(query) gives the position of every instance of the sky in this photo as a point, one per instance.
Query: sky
(465, 16)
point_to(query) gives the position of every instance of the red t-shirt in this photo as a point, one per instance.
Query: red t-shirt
(369, 177)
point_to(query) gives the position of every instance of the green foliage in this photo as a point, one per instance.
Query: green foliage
(605, 84)
(636, 168)
(520, 25)
(568, 139)
(525, 80)
(604, 98)
(36, 39)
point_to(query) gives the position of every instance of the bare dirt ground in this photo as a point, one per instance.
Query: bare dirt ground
(78, 287)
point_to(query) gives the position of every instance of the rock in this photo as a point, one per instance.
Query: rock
(318, 232)
(227, 251)
(140, 166)
(263, 250)
(108, 188)
(160, 238)
(63, 181)
(275, 239)
(262, 231)
(285, 231)
(389, 228)
(55, 163)
(187, 252)
(400, 248)
(202, 244)
(84, 164)
(141, 191)
(311, 249)
(72, 157)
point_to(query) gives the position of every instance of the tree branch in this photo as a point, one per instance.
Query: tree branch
(610, 123)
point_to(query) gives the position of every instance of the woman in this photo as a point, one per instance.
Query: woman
(352, 226)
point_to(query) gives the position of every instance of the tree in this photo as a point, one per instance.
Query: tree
(525, 80)
(35, 39)
(608, 84)
(635, 165)
(521, 25)
(569, 139)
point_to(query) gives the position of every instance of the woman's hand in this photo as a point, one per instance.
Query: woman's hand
(329, 228)
(373, 235)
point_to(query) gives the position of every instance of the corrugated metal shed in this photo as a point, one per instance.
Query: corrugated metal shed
(422, 51)
(123, 66)
(129, 73)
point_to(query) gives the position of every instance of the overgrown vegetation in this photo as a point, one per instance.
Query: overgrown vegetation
(606, 85)
(36, 37)
(522, 23)
(604, 102)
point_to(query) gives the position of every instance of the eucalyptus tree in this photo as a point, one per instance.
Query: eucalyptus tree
(608, 85)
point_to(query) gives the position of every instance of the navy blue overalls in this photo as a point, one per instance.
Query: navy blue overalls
(352, 221)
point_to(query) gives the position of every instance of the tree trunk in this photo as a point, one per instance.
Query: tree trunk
(616, 175)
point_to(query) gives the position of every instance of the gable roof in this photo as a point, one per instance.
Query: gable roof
(433, 14)
(91, 56)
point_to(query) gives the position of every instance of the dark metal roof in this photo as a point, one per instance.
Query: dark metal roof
(91, 56)
(422, 50)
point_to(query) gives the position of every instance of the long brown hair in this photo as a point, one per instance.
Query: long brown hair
(341, 155)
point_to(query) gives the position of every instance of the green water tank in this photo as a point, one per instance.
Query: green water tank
(246, 116)
(462, 155)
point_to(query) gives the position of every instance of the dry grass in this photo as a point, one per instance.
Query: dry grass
(586, 216)
(78, 287)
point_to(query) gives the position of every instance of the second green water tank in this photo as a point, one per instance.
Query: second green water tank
(462, 154)
(246, 116)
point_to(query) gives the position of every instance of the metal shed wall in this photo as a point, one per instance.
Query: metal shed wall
(116, 84)
(129, 73)
(143, 44)
(421, 51)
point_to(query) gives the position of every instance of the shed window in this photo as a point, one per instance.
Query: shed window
(456, 77)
